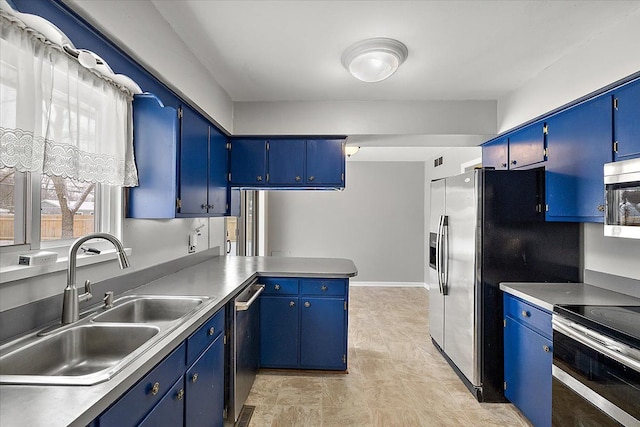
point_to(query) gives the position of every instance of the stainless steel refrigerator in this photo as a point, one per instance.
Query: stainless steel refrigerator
(487, 227)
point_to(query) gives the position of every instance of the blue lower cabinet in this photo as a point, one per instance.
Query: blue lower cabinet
(528, 358)
(138, 402)
(204, 402)
(169, 411)
(305, 330)
(279, 332)
(180, 390)
(323, 343)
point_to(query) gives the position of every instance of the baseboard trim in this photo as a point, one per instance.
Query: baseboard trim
(390, 284)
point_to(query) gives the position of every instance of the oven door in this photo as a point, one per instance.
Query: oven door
(596, 381)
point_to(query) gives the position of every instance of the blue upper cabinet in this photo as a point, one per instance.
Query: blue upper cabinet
(286, 161)
(526, 146)
(219, 196)
(249, 162)
(182, 163)
(194, 163)
(325, 162)
(626, 121)
(495, 154)
(155, 144)
(579, 144)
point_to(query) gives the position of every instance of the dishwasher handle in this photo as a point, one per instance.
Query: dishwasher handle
(244, 305)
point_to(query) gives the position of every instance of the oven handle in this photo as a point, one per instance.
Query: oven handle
(592, 397)
(244, 305)
(610, 350)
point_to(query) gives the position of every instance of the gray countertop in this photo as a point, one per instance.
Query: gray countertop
(546, 295)
(220, 278)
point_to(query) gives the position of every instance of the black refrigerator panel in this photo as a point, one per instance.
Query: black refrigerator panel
(515, 244)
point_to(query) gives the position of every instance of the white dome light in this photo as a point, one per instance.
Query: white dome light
(374, 60)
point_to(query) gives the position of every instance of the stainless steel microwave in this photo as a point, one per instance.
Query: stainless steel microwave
(622, 194)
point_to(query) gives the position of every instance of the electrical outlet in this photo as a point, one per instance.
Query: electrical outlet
(193, 242)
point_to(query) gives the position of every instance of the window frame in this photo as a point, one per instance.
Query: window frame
(108, 218)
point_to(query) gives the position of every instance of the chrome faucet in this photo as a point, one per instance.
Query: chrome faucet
(71, 299)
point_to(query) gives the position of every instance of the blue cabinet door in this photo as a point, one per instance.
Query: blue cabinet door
(204, 391)
(155, 144)
(169, 412)
(495, 154)
(279, 332)
(217, 198)
(579, 143)
(325, 162)
(286, 161)
(626, 121)
(526, 146)
(528, 359)
(194, 162)
(249, 162)
(323, 333)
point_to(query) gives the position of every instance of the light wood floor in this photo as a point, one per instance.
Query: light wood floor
(396, 376)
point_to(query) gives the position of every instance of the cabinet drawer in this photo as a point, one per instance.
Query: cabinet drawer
(204, 336)
(139, 400)
(279, 286)
(528, 314)
(328, 287)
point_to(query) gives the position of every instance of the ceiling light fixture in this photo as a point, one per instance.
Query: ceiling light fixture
(374, 60)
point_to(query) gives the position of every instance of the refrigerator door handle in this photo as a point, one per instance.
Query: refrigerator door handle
(445, 257)
(439, 253)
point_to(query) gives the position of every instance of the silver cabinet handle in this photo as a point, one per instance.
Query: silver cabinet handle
(244, 305)
(292, 304)
(546, 348)
(259, 178)
(324, 288)
(601, 208)
(513, 162)
(180, 394)
(155, 388)
(298, 179)
(194, 378)
(311, 178)
(203, 206)
(307, 304)
(212, 330)
(277, 287)
(525, 313)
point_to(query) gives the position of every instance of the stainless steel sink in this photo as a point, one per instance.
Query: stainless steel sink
(96, 347)
(86, 352)
(149, 309)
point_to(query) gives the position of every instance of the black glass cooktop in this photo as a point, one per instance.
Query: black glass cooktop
(621, 322)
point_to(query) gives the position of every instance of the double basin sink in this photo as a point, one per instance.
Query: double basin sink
(98, 346)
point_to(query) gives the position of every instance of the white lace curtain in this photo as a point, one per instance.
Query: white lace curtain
(58, 117)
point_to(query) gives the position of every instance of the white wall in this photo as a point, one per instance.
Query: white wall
(377, 221)
(365, 118)
(598, 62)
(141, 31)
(152, 242)
(613, 55)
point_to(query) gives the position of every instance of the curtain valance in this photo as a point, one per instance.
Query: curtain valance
(58, 117)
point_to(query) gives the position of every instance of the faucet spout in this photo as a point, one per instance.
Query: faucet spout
(70, 306)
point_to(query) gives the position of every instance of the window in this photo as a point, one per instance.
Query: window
(60, 210)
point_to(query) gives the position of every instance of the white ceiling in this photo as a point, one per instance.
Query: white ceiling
(458, 50)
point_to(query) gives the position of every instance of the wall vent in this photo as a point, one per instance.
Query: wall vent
(437, 162)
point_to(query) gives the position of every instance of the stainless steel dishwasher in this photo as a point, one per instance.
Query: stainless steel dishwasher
(245, 347)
